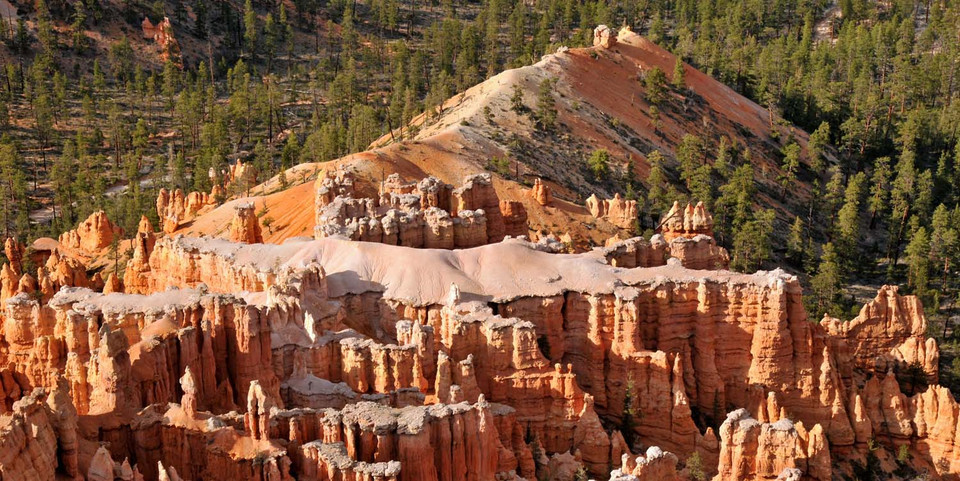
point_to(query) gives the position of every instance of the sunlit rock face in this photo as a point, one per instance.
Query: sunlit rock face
(336, 359)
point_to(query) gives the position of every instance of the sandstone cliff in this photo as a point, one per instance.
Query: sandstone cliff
(316, 359)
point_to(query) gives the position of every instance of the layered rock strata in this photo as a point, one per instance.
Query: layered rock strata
(258, 361)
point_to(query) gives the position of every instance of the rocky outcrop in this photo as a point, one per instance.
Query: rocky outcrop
(655, 465)
(750, 449)
(604, 37)
(93, 235)
(617, 211)
(890, 332)
(425, 214)
(690, 222)
(136, 275)
(175, 210)
(13, 250)
(245, 226)
(315, 359)
(540, 192)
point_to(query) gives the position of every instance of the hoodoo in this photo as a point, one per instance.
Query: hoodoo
(295, 241)
(360, 365)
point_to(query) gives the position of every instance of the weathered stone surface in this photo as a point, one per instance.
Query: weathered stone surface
(540, 192)
(93, 235)
(890, 332)
(320, 358)
(603, 36)
(617, 211)
(245, 226)
(689, 222)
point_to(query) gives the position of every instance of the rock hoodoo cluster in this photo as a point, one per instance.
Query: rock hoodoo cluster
(175, 210)
(330, 359)
(93, 235)
(428, 213)
(618, 211)
(689, 222)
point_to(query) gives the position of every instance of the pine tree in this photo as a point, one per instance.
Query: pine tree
(847, 226)
(879, 189)
(789, 167)
(735, 203)
(200, 11)
(819, 139)
(250, 34)
(599, 163)
(901, 201)
(655, 83)
(516, 100)
(825, 285)
(917, 255)
(796, 241)
(679, 74)
(944, 242)
(752, 242)
(691, 156)
(546, 105)
(271, 38)
(658, 184)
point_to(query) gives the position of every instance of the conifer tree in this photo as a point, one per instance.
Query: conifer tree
(826, 284)
(679, 79)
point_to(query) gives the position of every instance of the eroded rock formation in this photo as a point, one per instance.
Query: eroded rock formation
(331, 359)
(427, 214)
(750, 449)
(690, 222)
(93, 235)
(540, 192)
(175, 209)
(245, 226)
(618, 211)
(889, 333)
(603, 36)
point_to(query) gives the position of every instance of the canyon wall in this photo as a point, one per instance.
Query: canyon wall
(331, 359)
